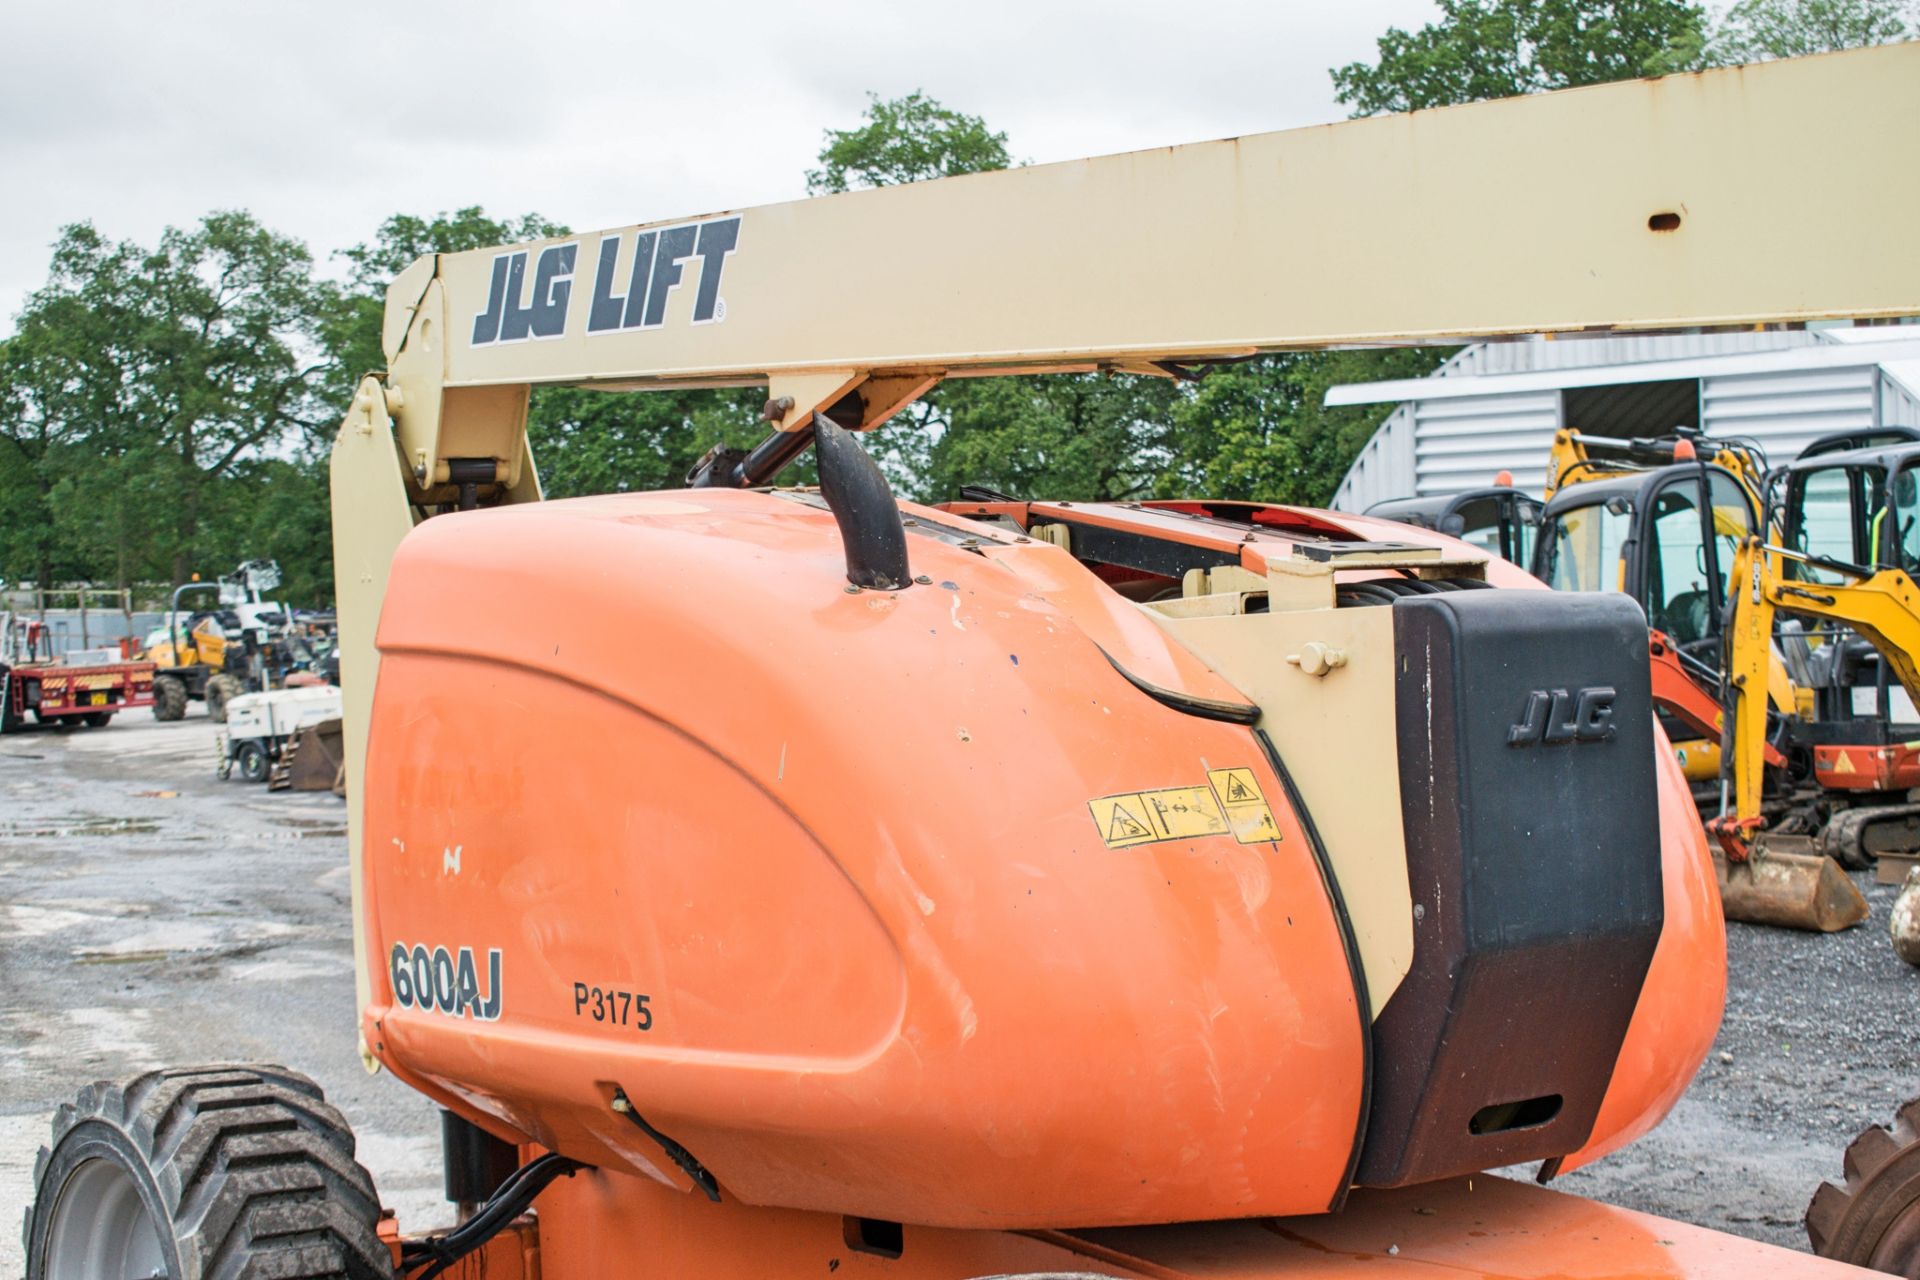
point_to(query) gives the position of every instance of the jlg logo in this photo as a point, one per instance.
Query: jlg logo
(1555, 716)
(637, 298)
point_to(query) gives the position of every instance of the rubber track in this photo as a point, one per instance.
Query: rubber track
(256, 1168)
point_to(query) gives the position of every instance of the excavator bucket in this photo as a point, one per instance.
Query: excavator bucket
(1788, 887)
(316, 759)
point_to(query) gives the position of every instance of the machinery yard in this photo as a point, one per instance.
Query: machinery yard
(142, 928)
(155, 914)
(863, 732)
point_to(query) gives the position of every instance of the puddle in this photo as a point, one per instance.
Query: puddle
(28, 921)
(59, 828)
(127, 957)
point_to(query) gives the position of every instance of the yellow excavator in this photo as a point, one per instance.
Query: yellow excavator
(1657, 518)
(1850, 519)
(1663, 520)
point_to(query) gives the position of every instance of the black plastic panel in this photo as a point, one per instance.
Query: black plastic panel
(1528, 793)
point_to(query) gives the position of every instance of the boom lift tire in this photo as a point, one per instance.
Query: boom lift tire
(1874, 1221)
(197, 1171)
(169, 698)
(221, 690)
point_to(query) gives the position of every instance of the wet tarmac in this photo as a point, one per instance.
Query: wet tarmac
(151, 914)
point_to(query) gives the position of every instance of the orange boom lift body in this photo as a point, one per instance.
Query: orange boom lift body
(984, 888)
(830, 885)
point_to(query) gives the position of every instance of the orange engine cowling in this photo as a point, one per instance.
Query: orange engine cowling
(682, 857)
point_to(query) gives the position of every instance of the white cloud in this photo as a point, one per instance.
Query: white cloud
(325, 118)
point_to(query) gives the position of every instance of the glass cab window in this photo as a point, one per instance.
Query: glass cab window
(1903, 506)
(1501, 526)
(1583, 551)
(1829, 516)
(1679, 590)
(1732, 523)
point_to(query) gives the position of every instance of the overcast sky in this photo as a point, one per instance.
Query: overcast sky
(324, 118)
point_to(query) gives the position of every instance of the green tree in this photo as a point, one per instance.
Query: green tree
(1258, 431)
(1077, 436)
(908, 139)
(1484, 49)
(350, 326)
(177, 364)
(1757, 30)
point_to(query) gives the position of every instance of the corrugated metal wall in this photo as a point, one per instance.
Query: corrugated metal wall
(1463, 443)
(1441, 446)
(1786, 411)
(1385, 464)
(1899, 407)
(1530, 354)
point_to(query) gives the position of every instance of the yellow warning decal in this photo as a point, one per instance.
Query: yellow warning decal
(1247, 811)
(1230, 804)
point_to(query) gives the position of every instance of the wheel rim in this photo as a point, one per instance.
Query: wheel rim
(101, 1230)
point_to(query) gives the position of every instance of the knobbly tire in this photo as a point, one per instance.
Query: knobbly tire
(1874, 1221)
(169, 699)
(203, 1173)
(221, 690)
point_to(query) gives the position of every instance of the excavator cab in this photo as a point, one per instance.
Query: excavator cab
(1500, 520)
(1852, 509)
(1666, 537)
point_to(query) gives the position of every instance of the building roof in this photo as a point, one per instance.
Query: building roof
(1898, 355)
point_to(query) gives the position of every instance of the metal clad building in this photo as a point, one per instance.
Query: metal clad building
(1495, 406)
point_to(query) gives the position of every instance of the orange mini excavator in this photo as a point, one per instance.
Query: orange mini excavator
(801, 882)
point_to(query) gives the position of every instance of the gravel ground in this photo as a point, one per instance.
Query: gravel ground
(1821, 1039)
(151, 914)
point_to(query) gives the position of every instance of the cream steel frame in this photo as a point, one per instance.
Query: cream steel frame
(1790, 182)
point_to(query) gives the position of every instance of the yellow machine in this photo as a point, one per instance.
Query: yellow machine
(1662, 519)
(192, 658)
(1577, 456)
(1855, 517)
(1014, 888)
(201, 645)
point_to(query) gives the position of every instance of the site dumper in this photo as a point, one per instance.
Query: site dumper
(1171, 889)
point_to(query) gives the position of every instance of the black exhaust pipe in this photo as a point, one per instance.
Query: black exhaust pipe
(864, 508)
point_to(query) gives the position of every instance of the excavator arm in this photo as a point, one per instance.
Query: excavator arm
(1882, 606)
(1576, 457)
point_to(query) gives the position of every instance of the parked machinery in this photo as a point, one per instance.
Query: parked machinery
(88, 688)
(239, 643)
(1501, 520)
(1081, 888)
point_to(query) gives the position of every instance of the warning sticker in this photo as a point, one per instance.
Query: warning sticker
(1230, 804)
(1247, 811)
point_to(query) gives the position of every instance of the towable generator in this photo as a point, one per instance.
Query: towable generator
(1174, 889)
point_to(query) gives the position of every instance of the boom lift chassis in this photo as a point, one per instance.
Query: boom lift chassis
(850, 307)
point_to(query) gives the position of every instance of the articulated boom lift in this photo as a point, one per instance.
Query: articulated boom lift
(1140, 889)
